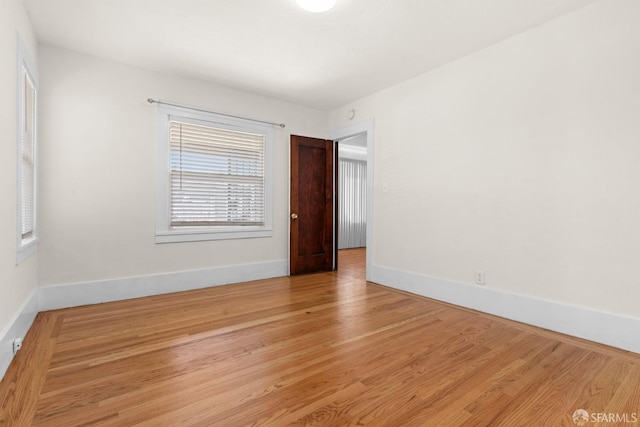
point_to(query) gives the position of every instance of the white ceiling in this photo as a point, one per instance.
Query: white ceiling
(273, 48)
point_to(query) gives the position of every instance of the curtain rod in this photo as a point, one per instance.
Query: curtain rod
(154, 101)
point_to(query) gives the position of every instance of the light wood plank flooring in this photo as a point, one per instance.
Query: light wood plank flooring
(325, 349)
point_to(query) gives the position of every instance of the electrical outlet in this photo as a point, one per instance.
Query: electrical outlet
(479, 277)
(17, 345)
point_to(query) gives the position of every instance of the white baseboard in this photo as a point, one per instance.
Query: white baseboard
(72, 295)
(606, 328)
(17, 328)
(77, 294)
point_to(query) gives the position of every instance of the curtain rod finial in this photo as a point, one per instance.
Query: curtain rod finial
(151, 100)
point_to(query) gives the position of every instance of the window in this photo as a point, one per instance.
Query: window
(214, 176)
(26, 223)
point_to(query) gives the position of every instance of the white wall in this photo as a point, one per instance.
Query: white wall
(97, 170)
(17, 283)
(522, 160)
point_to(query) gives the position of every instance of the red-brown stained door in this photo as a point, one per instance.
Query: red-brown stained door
(312, 210)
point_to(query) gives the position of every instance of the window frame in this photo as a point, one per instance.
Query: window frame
(164, 233)
(26, 246)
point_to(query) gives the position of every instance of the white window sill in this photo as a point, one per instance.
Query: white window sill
(192, 235)
(26, 249)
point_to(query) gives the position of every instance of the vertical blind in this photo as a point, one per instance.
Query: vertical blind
(217, 176)
(352, 204)
(28, 157)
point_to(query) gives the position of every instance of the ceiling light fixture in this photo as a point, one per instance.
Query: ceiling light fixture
(316, 6)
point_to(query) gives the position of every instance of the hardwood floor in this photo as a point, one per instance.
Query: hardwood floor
(324, 349)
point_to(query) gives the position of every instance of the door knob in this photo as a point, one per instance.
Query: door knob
(294, 216)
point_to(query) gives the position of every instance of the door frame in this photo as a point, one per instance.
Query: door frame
(364, 127)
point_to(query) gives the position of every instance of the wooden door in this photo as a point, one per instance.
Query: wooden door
(312, 207)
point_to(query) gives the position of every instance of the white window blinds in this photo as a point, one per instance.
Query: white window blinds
(28, 136)
(217, 176)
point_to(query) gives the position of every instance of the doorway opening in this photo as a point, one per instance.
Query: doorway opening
(314, 193)
(351, 189)
(359, 139)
